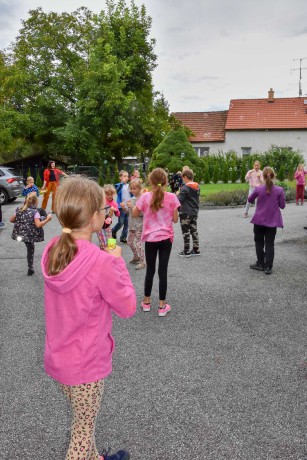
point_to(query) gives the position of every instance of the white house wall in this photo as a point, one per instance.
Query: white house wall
(259, 141)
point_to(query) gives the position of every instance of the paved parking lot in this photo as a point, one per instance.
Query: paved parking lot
(223, 376)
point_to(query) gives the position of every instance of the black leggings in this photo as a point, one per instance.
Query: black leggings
(164, 248)
(264, 238)
(30, 254)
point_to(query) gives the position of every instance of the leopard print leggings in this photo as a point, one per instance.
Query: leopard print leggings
(85, 401)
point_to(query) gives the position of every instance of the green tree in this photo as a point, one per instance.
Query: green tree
(281, 174)
(174, 152)
(206, 176)
(216, 174)
(225, 173)
(38, 180)
(116, 178)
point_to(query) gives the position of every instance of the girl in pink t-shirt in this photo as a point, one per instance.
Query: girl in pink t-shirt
(160, 210)
(299, 176)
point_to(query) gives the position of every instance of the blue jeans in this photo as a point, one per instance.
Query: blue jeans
(122, 221)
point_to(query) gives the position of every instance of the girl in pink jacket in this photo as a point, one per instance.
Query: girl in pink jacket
(299, 176)
(83, 285)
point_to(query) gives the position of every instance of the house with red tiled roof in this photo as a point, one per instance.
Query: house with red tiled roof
(250, 125)
(208, 130)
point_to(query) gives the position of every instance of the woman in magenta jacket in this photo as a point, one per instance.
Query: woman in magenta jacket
(83, 286)
(270, 199)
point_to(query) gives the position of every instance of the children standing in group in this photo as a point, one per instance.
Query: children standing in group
(30, 187)
(83, 286)
(299, 176)
(106, 232)
(266, 219)
(123, 195)
(160, 210)
(28, 227)
(255, 178)
(135, 226)
(188, 213)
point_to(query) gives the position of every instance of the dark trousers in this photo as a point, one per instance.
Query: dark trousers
(264, 238)
(189, 229)
(122, 221)
(30, 254)
(152, 249)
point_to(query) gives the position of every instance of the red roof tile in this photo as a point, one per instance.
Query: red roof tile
(206, 126)
(282, 113)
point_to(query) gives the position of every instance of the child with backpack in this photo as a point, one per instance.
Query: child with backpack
(28, 227)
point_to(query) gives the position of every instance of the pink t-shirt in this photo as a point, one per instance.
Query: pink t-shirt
(158, 226)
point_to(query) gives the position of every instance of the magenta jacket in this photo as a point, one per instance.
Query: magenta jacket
(268, 206)
(78, 313)
(299, 176)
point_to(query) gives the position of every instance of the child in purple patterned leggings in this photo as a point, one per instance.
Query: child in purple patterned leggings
(83, 287)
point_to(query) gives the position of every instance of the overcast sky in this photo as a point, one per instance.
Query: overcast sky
(209, 51)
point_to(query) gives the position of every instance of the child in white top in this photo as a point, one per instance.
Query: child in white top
(160, 210)
(255, 178)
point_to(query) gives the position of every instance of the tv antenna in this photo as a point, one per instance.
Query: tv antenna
(300, 68)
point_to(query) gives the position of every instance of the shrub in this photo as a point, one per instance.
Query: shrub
(206, 176)
(216, 173)
(233, 198)
(281, 174)
(225, 174)
(234, 174)
(38, 180)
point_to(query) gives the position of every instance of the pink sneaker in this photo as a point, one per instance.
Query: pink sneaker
(145, 306)
(164, 310)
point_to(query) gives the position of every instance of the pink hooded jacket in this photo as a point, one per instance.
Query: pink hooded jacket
(78, 313)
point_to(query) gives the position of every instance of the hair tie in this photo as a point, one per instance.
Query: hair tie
(159, 185)
(66, 230)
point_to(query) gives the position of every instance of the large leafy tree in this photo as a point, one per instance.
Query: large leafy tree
(80, 84)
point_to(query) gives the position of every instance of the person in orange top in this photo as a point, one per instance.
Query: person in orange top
(51, 181)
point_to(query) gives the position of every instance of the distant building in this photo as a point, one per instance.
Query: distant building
(250, 125)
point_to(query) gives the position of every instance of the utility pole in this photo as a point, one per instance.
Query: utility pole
(300, 68)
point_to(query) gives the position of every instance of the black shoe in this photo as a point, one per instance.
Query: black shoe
(184, 254)
(305, 228)
(257, 266)
(123, 240)
(30, 272)
(195, 253)
(120, 455)
(114, 235)
(268, 270)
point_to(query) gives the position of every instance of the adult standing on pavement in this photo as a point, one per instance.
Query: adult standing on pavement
(51, 182)
(255, 179)
(266, 219)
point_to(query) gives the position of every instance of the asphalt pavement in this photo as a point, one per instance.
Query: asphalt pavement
(222, 376)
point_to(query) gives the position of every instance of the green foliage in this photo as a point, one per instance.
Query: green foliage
(232, 198)
(108, 175)
(281, 173)
(234, 174)
(225, 174)
(38, 180)
(174, 152)
(78, 84)
(206, 176)
(216, 173)
(29, 172)
(116, 178)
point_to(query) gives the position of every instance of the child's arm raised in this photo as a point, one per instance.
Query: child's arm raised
(40, 223)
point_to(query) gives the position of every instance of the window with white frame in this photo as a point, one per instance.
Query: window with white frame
(246, 150)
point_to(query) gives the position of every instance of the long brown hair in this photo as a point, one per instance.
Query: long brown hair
(158, 179)
(268, 176)
(77, 200)
(31, 200)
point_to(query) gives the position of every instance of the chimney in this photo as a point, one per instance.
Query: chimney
(271, 95)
